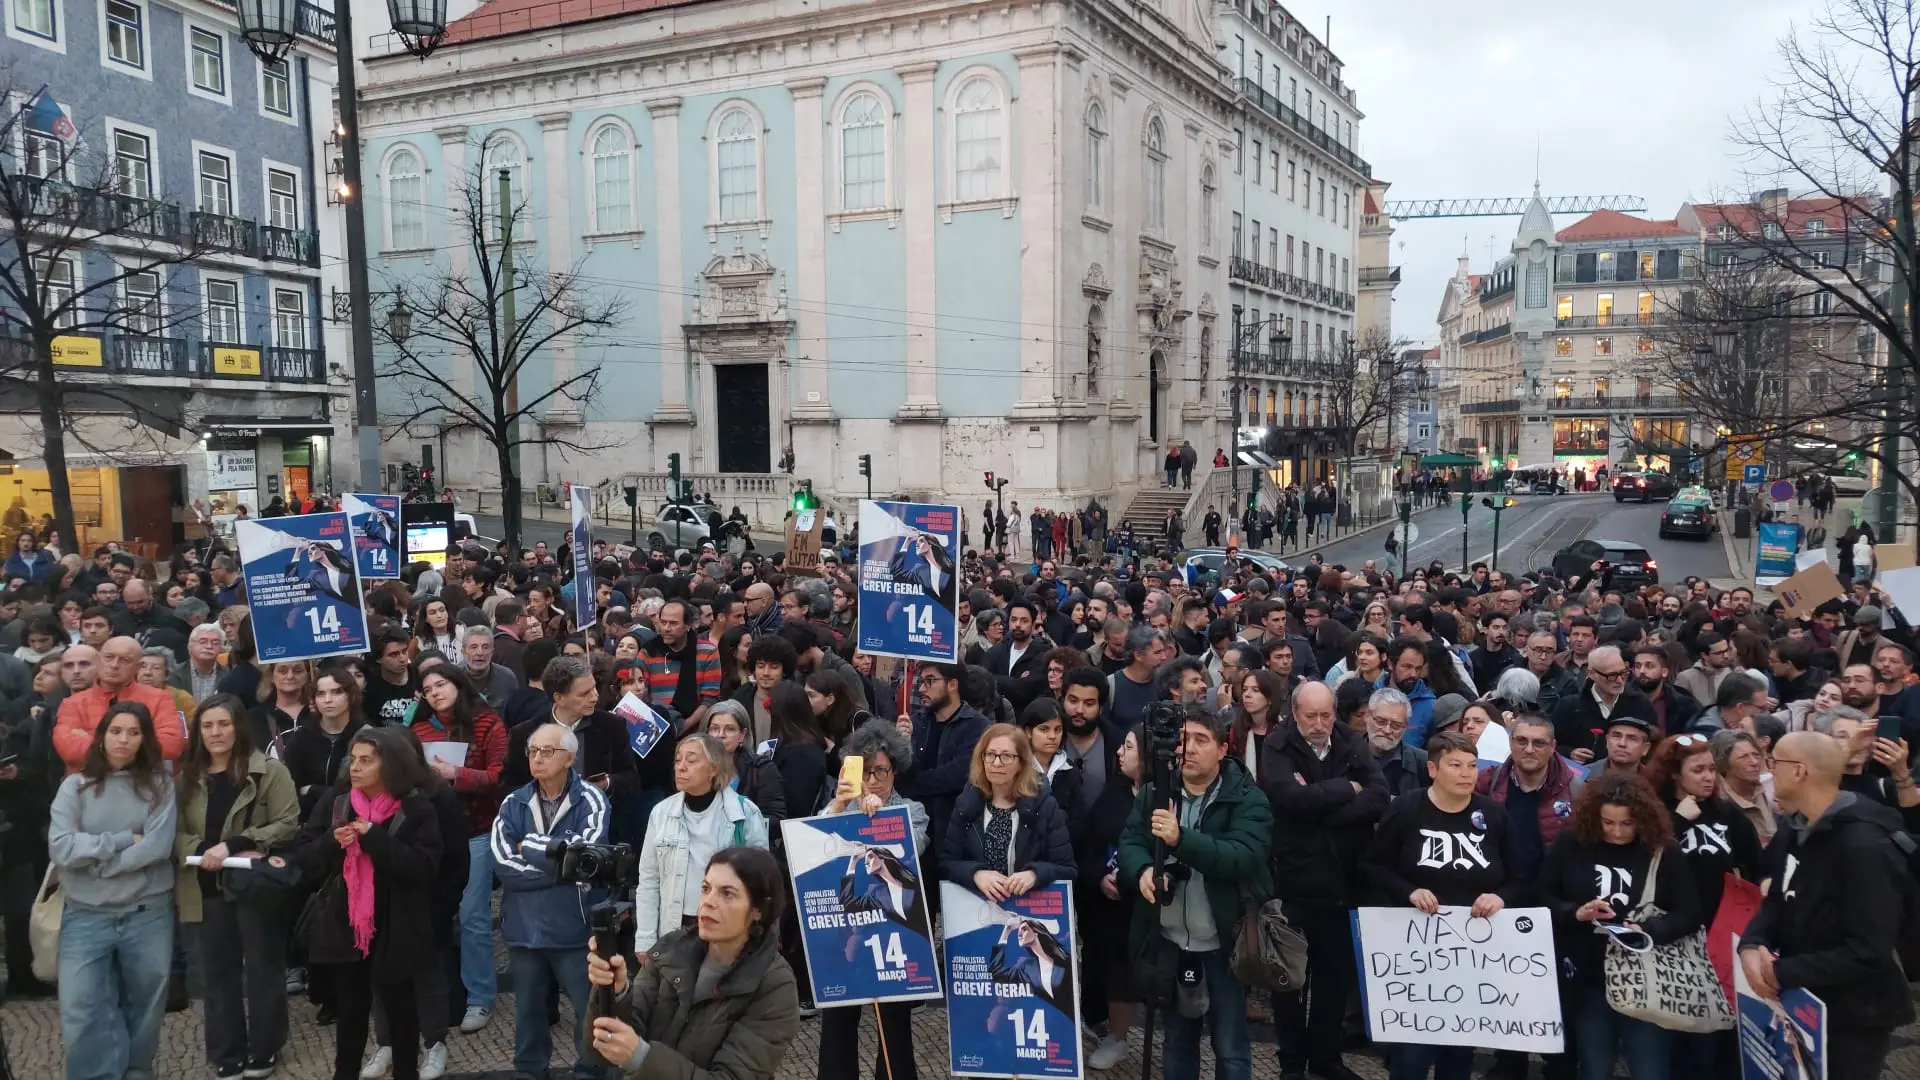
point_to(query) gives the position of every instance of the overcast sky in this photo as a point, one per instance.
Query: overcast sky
(1633, 97)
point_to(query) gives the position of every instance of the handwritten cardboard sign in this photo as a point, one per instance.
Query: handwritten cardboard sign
(1808, 589)
(1454, 980)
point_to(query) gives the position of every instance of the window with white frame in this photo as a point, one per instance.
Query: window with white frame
(737, 166)
(222, 319)
(208, 52)
(289, 319)
(406, 209)
(283, 199)
(1156, 148)
(863, 153)
(40, 18)
(1096, 149)
(1206, 208)
(979, 141)
(132, 165)
(611, 154)
(140, 297)
(127, 33)
(276, 87)
(56, 287)
(45, 155)
(216, 183)
(502, 153)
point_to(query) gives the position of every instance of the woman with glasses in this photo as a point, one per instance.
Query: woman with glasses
(1007, 836)
(1596, 875)
(755, 777)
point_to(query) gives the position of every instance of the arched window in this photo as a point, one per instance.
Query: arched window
(737, 166)
(1156, 175)
(1096, 152)
(1096, 328)
(611, 152)
(863, 153)
(979, 141)
(406, 201)
(1206, 208)
(503, 153)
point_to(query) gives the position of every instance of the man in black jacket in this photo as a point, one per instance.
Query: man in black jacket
(1327, 795)
(1580, 719)
(606, 758)
(1019, 662)
(944, 730)
(1495, 653)
(1674, 710)
(1830, 923)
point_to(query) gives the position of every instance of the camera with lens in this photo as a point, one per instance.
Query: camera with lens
(1163, 726)
(610, 866)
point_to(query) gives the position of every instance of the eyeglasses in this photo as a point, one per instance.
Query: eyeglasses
(1542, 650)
(1690, 739)
(1525, 743)
(879, 771)
(1614, 674)
(1000, 757)
(542, 753)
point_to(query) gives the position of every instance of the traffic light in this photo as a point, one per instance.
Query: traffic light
(673, 477)
(989, 479)
(866, 465)
(631, 494)
(803, 497)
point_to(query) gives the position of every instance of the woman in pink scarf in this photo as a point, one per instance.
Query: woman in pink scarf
(373, 842)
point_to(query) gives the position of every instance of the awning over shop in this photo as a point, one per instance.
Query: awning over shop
(1448, 461)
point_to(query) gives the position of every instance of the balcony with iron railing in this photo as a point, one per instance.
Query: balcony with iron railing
(1272, 279)
(1283, 362)
(1304, 127)
(1617, 319)
(56, 205)
(1482, 408)
(1376, 276)
(1491, 333)
(122, 355)
(1613, 402)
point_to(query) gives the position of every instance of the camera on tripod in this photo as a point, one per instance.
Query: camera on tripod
(616, 868)
(1163, 726)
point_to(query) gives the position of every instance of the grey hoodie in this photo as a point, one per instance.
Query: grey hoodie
(92, 841)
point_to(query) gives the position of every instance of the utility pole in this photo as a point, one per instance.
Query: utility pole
(507, 320)
(1899, 302)
(1466, 504)
(1505, 503)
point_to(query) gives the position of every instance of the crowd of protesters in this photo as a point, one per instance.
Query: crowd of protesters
(1332, 719)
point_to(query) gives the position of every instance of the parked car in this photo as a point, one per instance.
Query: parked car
(677, 526)
(1849, 484)
(1633, 566)
(1206, 564)
(1644, 486)
(1689, 513)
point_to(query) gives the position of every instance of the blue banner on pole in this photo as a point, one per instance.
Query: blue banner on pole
(1012, 976)
(909, 580)
(1773, 562)
(1779, 1040)
(582, 503)
(375, 520)
(863, 907)
(303, 588)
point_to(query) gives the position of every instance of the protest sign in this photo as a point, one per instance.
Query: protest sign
(803, 542)
(375, 520)
(581, 497)
(1448, 979)
(1773, 560)
(1779, 1040)
(909, 590)
(1808, 589)
(644, 726)
(1903, 588)
(303, 588)
(1892, 557)
(863, 907)
(1013, 977)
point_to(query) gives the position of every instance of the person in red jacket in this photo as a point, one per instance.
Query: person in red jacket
(114, 681)
(453, 712)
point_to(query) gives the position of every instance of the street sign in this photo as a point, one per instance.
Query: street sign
(1754, 475)
(1782, 491)
(1744, 452)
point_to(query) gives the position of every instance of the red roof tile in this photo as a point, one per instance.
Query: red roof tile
(502, 18)
(1373, 205)
(1614, 225)
(1746, 218)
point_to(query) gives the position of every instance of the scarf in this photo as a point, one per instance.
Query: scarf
(358, 869)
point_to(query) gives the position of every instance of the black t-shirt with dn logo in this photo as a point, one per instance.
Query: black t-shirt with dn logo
(1457, 857)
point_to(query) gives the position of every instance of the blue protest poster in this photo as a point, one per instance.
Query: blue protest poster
(1779, 1040)
(582, 504)
(375, 520)
(863, 907)
(303, 588)
(909, 584)
(1773, 558)
(1013, 1006)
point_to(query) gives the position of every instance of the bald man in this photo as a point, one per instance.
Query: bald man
(1327, 794)
(1830, 923)
(114, 682)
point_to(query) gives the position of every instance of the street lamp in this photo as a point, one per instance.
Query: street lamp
(399, 320)
(269, 27)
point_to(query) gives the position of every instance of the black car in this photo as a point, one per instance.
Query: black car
(1632, 566)
(1689, 514)
(1644, 486)
(1204, 565)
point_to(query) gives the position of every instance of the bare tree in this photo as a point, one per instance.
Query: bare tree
(65, 333)
(456, 362)
(1371, 378)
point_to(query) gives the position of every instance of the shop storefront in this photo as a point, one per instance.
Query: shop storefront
(132, 499)
(1580, 443)
(252, 460)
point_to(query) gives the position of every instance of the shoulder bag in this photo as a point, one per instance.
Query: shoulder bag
(1671, 986)
(43, 927)
(1269, 952)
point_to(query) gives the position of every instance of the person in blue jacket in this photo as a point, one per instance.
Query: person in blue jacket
(543, 920)
(1406, 672)
(29, 560)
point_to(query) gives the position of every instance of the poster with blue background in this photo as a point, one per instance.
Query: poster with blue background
(1773, 563)
(303, 588)
(863, 907)
(1013, 1006)
(1779, 1040)
(909, 587)
(375, 520)
(582, 526)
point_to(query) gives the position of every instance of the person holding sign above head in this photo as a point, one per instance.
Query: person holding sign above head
(882, 752)
(704, 815)
(1444, 847)
(1596, 876)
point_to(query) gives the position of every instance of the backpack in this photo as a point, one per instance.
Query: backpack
(1269, 952)
(1907, 946)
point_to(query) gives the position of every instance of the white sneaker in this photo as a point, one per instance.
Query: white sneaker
(433, 1065)
(1109, 1053)
(379, 1064)
(475, 1019)
(297, 980)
